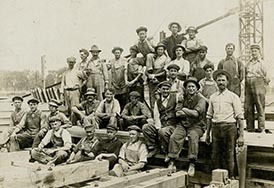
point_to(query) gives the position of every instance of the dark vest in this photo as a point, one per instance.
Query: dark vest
(167, 114)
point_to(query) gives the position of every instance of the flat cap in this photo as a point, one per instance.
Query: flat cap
(54, 102)
(135, 94)
(142, 28)
(71, 59)
(255, 46)
(191, 28)
(54, 118)
(91, 126)
(90, 91)
(173, 66)
(117, 48)
(164, 83)
(17, 98)
(33, 100)
(135, 128)
(176, 23)
(112, 127)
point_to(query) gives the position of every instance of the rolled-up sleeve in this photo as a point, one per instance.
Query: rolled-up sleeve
(66, 137)
(238, 113)
(209, 114)
(143, 153)
(122, 153)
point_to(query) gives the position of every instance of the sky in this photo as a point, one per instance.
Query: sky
(58, 29)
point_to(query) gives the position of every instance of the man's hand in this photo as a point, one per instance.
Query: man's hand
(13, 136)
(125, 166)
(41, 133)
(240, 141)
(207, 139)
(100, 157)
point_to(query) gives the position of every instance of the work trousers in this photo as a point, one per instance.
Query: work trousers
(124, 123)
(153, 137)
(102, 123)
(224, 137)
(42, 157)
(22, 140)
(72, 98)
(178, 137)
(255, 97)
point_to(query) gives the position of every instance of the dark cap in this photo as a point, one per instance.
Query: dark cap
(135, 128)
(33, 100)
(255, 46)
(142, 28)
(135, 94)
(173, 66)
(191, 28)
(193, 80)
(95, 48)
(223, 72)
(134, 48)
(164, 83)
(208, 65)
(179, 46)
(91, 126)
(17, 98)
(112, 127)
(54, 102)
(117, 48)
(203, 48)
(90, 91)
(160, 45)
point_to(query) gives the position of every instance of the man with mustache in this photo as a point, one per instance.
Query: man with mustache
(223, 115)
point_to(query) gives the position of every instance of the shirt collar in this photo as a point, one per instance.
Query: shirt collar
(230, 58)
(224, 92)
(165, 99)
(58, 133)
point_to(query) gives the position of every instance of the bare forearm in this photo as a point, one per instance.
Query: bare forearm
(241, 127)
(190, 112)
(137, 166)
(209, 125)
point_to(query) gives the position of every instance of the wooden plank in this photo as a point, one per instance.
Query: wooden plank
(242, 161)
(132, 179)
(59, 176)
(261, 181)
(175, 180)
(264, 167)
(7, 158)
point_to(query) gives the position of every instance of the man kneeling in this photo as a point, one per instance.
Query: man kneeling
(132, 156)
(60, 141)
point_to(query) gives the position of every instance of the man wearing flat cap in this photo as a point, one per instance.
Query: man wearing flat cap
(109, 148)
(191, 112)
(53, 109)
(81, 66)
(30, 125)
(256, 82)
(15, 119)
(181, 62)
(97, 73)
(135, 112)
(157, 133)
(132, 155)
(224, 115)
(235, 68)
(60, 140)
(118, 75)
(192, 44)
(84, 113)
(72, 81)
(197, 67)
(176, 84)
(155, 71)
(174, 39)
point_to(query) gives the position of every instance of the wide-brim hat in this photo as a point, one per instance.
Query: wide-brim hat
(17, 98)
(172, 23)
(95, 48)
(164, 83)
(173, 66)
(191, 28)
(192, 80)
(90, 91)
(203, 48)
(179, 46)
(135, 128)
(160, 45)
(134, 94)
(142, 28)
(54, 102)
(33, 100)
(221, 71)
(117, 48)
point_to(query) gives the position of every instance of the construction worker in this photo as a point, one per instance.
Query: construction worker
(177, 86)
(135, 112)
(158, 132)
(33, 123)
(59, 138)
(174, 39)
(235, 68)
(132, 155)
(71, 84)
(256, 81)
(15, 118)
(223, 115)
(191, 112)
(118, 76)
(81, 66)
(84, 113)
(197, 67)
(84, 150)
(97, 73)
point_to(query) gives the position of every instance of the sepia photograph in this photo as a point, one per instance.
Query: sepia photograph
(137, 94)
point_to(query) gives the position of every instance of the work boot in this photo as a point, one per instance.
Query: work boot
(267, 131)
(191, 170)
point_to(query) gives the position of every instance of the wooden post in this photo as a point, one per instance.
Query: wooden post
(241, 160)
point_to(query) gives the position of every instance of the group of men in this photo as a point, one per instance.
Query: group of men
(186, 98)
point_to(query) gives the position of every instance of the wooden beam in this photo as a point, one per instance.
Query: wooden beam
(59, 176)
(132, 179)
(175, 180)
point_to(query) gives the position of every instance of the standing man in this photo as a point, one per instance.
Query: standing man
(223, 115)
(97, 73)
(118, 76)
(33, 123)
(15, 119)
(174, 39)
(234, 67)
(71, 84)
(81, 66)
(197, 67)
(157, 133)
(256, 81)
(208, 84)
(191, 113)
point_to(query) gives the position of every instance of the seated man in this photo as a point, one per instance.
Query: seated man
(132, 156)
(108, 110)
(157, 133)
(135, 112)
(84, 150)
(15, 119)
(109, 148)
(30, 125)
(89, 106)
(60, 141)
(53, 109)
(191, 113)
